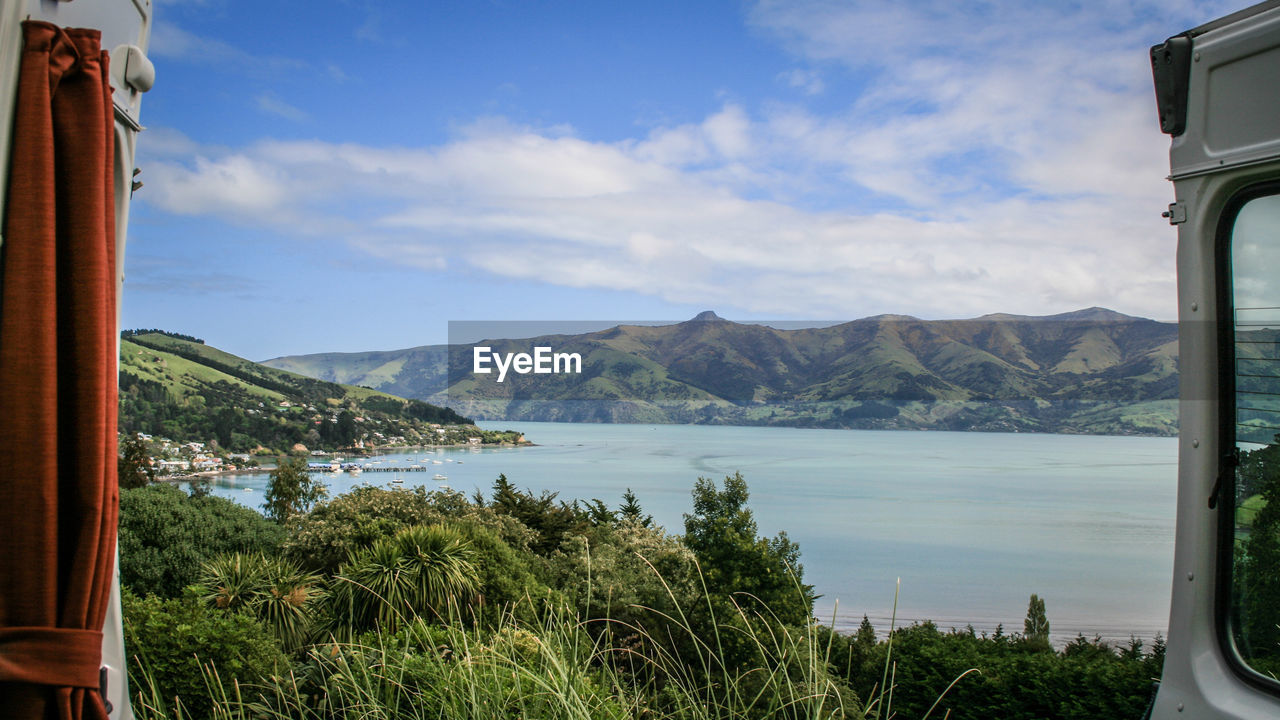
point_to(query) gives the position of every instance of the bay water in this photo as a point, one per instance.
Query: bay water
(970, 524)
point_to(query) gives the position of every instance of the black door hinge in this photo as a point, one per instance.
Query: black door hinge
(1230, 461)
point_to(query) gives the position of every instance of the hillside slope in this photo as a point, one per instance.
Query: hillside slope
(1090, 371)
(180, 388)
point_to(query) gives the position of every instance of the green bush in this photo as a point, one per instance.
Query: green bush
(507, 581)
(325, 538)
(272, 589)
(423, 571)
(1018, 678)
(183, 653)
(166, 536)
(638, 577)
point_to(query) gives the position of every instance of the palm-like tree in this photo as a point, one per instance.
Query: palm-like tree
(273, 589)
(421, 571)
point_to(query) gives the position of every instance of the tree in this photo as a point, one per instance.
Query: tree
(271, 588)
(598, 514)
(631, 510)
(866, 635)
(133, 467)
(200, 487)
(421, 572)
(1036, 627)
(291, 491)
(552, 521)
(736, 564)
(1257, 557)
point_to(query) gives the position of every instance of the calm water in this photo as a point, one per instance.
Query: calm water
(972, 523)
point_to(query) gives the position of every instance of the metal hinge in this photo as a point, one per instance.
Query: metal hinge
(1230, 461)
(102, 690)
(1177, 213)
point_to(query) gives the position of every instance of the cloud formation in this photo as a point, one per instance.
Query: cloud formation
(997, 158)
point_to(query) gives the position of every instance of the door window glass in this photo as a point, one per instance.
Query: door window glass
(1255, 520)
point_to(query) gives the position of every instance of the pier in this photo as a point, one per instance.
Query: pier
(325, 468)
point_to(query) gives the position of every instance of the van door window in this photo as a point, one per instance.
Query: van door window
(1254, 387)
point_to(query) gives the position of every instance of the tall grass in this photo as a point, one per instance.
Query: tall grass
(559, 667)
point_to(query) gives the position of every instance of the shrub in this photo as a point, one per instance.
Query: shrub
(176, 645)
(166, 536)
(507, 581)
(423, 570)
(636, 576)
(325, 538)
(1018, 678)
(272, 589)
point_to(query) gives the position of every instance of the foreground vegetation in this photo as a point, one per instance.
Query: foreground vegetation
(394, 603)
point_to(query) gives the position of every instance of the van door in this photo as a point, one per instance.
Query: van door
(1218, 93)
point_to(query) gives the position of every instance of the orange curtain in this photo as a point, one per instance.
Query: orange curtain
(58, 496)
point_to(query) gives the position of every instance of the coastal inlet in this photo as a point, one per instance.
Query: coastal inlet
(972, 523)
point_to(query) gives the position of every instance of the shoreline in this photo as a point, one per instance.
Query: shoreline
(905, 428)
(384, 450)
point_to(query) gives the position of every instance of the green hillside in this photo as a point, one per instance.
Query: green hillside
(1091, 371)
(182, 389)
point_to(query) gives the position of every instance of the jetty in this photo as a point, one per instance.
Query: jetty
(366, 468)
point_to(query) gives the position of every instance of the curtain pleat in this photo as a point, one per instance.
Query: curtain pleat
(58, 496)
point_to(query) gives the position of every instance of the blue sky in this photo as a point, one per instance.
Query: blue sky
(347, 175)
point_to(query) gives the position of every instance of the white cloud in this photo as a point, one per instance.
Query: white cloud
(807, 81)
(729, 132)
(1000, 157)
(569, 212)
(235, 185)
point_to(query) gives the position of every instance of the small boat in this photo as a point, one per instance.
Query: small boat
(248, 489)
(438, 476)
(398, 481)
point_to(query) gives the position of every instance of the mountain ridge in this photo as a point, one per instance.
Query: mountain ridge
(1088, 371)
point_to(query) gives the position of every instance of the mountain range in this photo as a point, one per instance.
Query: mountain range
(1089, 371)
